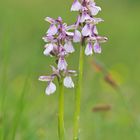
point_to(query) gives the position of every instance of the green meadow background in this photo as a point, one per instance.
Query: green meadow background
(26, 113)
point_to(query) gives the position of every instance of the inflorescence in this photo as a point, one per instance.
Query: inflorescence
(60, 38)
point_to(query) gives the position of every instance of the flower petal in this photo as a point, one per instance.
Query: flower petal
(84, 17)
(97, 48)
(94, 9)
(52, 30)
(62, 64)
(78, 21)
(70, 34)
(77, 36)
(72, 72)
(88, 50)
(49, 48)
(51, 88)
(49, 39)
(50, 20)
(45, 78)
(97, 20)
(69, 47)
(71, 27)
(68, 82)
(76, 6)
(86, 31)
(101, 39)
(95, 31)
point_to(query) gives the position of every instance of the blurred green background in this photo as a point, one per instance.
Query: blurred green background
(26, 113)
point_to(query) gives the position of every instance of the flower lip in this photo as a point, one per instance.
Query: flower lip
(51, 88)
(49, 48)
(89, 48)
(68, 82)
(62, 64)
(86, 31)
(77, 36)
(85, 16)
(97, 48)
(69, 47)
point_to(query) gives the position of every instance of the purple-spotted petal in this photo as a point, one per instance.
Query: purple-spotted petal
(86, 31)
(62, 64)
(51, 88)
(69, 47)
(49, 48)
(76, 6)
(97, 48)
(89, 49)
(52, 30)
(77, 36)
(68, 83)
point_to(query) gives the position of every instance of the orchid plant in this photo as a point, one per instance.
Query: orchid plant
(59, 41)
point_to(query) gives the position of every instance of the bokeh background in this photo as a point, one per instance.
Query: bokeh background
(26, 113)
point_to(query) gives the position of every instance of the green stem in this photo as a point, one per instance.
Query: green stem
(61, 111)
(78, 95)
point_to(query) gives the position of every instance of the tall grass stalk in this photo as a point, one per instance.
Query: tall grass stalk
(19, 109)
(78, 95)
(61, 130)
